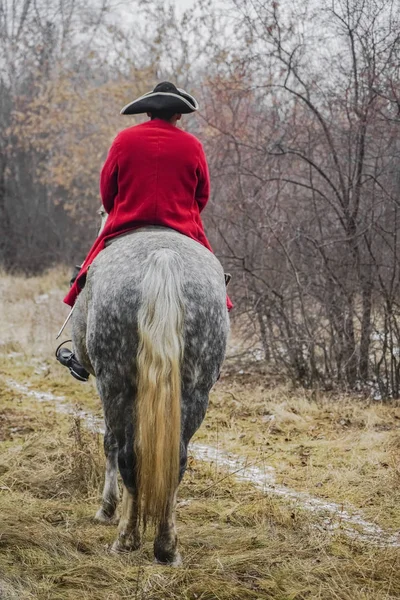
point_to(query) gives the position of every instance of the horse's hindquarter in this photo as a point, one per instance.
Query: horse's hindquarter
(113, 293)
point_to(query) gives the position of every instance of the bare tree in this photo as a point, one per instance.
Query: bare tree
(314, 178)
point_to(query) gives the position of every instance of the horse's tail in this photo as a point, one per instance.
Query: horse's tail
(158, 403)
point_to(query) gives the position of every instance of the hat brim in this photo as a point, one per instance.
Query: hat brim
(155, 101)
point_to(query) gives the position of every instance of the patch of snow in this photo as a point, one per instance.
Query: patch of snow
(41, 299)
(258, 354)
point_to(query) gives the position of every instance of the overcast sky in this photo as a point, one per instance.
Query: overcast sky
(183, 4)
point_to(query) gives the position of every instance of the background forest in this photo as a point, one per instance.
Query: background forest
(300, 119)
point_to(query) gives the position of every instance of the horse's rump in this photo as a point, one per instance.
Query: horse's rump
(112, 295)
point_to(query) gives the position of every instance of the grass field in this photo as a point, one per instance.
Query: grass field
(236, 541)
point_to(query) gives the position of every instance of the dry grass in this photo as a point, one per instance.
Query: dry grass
(236, 542)
(339, 448)
(32, 311)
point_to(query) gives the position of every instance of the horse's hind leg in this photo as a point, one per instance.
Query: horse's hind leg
(166, 541)
(107, 513)
(128, 529)
(117, 399)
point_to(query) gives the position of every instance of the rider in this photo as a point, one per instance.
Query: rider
(155, 174)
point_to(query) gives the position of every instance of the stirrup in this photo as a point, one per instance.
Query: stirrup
(67, 358)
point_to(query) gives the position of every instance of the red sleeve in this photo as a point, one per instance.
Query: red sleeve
(203, 184)
(109, 178)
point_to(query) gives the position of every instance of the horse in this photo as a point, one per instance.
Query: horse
(151, 325)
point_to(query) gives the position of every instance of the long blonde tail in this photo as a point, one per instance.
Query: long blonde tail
(158, 403)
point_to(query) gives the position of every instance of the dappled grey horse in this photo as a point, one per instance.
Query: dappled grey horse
(151, 324)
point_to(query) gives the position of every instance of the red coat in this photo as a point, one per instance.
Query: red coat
(155, 174)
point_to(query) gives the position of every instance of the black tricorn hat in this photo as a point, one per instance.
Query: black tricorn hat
(165, 96)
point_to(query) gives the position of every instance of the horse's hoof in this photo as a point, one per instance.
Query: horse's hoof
(175, 561)
(103, 517)
(117, 548)
(124, 547)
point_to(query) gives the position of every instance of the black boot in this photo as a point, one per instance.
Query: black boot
(75, 274)
(66, 357)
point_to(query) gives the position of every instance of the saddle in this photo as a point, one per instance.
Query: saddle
(77, 268)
